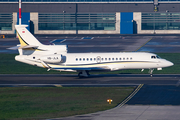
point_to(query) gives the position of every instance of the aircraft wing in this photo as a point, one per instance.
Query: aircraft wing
(102, 68)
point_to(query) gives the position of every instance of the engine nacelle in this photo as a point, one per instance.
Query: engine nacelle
(57, 58)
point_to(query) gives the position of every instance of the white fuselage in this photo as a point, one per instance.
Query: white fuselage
(100, 61)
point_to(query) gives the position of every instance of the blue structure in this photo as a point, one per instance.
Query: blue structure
(25, 19)
(126, 24)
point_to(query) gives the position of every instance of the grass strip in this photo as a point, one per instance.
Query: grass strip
(9, 66)
(32, 103)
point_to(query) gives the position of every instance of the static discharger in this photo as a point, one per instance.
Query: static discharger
(109, 101)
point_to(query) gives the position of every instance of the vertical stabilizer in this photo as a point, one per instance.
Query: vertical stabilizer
(25, 37)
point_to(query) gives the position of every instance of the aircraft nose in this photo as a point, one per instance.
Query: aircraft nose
(169, 63)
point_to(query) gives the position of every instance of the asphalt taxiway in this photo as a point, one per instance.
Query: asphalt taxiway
(93, 80)
(80, 44)
(132, 112)
(162, 44)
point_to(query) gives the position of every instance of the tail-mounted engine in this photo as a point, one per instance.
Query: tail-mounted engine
(53, 58)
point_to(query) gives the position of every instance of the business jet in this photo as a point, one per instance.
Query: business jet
(56, 57)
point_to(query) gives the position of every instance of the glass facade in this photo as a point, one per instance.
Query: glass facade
(160, 21)
(77, 21)
(56, 22)
(6, 21)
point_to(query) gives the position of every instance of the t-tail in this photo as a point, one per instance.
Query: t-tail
(30, 45)
(25, 37)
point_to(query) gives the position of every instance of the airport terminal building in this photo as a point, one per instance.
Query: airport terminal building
(92, 16)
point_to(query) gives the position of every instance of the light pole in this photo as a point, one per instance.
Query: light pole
(19, 12)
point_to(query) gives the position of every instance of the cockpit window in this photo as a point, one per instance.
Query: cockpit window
(158, 57)
(153, 57)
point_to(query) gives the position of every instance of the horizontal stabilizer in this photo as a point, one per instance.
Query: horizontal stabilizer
(27, 47)
(22, 47)
(13, 48)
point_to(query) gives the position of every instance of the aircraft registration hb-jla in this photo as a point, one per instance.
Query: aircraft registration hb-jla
(55, 57)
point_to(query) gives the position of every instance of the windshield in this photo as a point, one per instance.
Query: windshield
(155, 57)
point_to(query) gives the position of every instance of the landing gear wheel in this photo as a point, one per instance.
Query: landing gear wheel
(80, 75)
(83, 73)
(87, 73)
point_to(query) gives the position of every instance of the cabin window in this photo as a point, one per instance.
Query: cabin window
(79, 59)
(102, 59)
(105, 58)
(131, 58)
(123, 58)
(112, 58)
(119, 58)
(33, 57)
(116, 58)
(87, 59)
(94, 59)
(76, 59)
(91, 59)
(127, 58)
(109, 58)
(83, 59)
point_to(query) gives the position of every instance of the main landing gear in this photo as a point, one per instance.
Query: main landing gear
(83, 73)
(151, 72)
